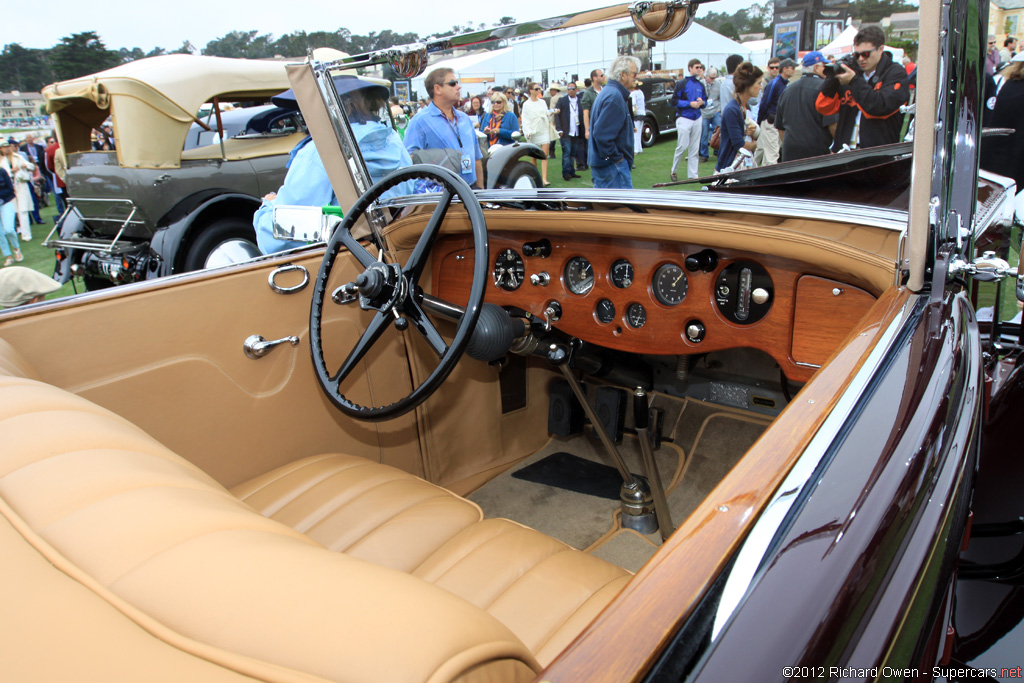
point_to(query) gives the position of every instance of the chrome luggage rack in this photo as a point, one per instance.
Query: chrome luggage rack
(122, 212)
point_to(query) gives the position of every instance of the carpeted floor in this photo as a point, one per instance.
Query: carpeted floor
(702, 443)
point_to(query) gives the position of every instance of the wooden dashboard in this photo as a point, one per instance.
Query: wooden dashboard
(662, 298)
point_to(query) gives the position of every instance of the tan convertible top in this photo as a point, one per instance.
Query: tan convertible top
(153, 102)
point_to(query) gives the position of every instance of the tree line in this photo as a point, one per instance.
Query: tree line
(759, 18)
(81, 54)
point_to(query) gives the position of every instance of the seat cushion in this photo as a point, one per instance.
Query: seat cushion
(141, 541)
(366, 510)
(542, 589)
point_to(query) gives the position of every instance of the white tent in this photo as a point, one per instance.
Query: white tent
(760, 50)
(561, 55)
(843, 44)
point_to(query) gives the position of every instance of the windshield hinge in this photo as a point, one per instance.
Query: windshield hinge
(986, 268)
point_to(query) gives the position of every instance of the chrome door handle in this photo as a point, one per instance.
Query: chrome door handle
(256, 346)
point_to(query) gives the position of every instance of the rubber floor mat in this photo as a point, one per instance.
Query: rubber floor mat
(570, 472)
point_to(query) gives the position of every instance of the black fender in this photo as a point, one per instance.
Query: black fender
(505, 157)
(171, 242)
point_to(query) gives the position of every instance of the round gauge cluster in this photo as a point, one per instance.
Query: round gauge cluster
(669, 284)
(636, 316)
(509, 270)
(579, 275)
(605, 311)
(622, 273)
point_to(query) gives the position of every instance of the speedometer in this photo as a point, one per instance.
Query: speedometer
(579, 275)
(669, 284)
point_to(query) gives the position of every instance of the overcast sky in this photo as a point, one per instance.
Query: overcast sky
(131, 23)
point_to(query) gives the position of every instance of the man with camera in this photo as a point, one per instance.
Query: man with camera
(804, 131)
(866, 90)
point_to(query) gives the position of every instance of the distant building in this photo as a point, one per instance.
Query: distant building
(902, 26)
(17, 105)
(1006, 18)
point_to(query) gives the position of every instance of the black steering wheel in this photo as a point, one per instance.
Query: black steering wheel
(393, 292)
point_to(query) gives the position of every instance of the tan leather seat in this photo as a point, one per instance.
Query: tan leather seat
(149, 550)
(542, 589)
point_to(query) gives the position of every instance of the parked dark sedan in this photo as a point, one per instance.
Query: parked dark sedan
(660, 114)
(563, 435)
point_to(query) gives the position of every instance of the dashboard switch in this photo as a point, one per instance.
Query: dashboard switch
(695, 331)
(541, 248)
(541, 279)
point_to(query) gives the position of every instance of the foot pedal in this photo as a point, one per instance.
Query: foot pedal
(610, 406)
(565, 414)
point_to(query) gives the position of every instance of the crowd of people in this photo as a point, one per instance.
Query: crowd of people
(29, 172)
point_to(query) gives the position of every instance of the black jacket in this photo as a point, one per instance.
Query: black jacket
(878, 99)
(6, 187)
(563, 115)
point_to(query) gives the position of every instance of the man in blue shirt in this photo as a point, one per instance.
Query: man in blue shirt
(610, 147)
(768, 143)
(689, 98)
(442, 126)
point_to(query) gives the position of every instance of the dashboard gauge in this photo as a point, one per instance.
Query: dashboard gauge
(579, 275)
(509, 271)
(605, 311)
(669, 284)
(636, 316)
(622, 273)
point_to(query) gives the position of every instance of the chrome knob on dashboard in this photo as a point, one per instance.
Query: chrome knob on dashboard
(542, 279)
(695, 331)
(759, 295)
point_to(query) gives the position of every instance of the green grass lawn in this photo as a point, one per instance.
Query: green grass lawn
(653, 165)
(39, 258)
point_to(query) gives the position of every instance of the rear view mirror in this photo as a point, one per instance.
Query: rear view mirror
(304, 223)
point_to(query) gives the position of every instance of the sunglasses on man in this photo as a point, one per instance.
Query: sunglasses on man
(452, 83)
(864, 54)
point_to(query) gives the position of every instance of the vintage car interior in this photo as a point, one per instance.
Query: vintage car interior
(184, 446)
(519, 412)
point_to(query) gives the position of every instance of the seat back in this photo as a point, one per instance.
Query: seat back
(123, 560)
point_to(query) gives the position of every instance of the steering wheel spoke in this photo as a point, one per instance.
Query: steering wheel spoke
(390, 291)
(415, 313)
(370, 335)
(365, 258)
(414, 266)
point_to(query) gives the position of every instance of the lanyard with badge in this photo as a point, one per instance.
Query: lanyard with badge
(467, 161)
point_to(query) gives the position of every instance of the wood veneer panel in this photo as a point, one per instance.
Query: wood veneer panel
(623, 642)
(826, 311)
(664, 332)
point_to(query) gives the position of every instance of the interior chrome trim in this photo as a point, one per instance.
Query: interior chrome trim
(289, 268)
(836, 212)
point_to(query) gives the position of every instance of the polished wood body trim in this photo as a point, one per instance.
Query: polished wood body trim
(664, 332)
(624, 641)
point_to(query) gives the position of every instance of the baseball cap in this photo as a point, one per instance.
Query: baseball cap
(19, 285)
(813, 57)
(786, 63)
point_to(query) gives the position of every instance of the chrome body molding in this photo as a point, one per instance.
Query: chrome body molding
(879, 217)
(756, 547)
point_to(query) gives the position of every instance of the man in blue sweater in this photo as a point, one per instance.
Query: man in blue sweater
(689, 98)
(610, 147)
